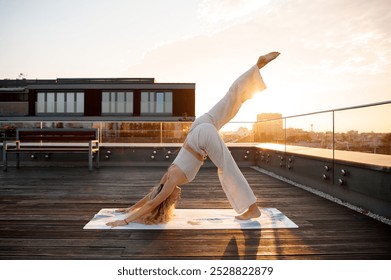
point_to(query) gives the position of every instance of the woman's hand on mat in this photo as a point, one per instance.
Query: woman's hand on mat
(117, 223)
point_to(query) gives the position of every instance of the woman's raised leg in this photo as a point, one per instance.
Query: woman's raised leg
(241, 90)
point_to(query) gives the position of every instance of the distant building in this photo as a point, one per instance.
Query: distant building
(100, 99)
(269, 128)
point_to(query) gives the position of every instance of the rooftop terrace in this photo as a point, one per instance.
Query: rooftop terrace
(309, 175)
(43, 211)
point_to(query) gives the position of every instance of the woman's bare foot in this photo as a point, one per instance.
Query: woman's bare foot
(252, 212)
(265, 59)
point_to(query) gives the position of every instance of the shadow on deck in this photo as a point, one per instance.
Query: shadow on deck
(43, 211)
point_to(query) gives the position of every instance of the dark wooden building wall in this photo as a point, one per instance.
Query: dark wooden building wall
(32, 100)
(136, 102)
(92, 102)
(183, 102)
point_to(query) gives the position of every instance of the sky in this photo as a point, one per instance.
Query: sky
(334, 53)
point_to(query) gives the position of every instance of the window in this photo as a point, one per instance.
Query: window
(117, 102)
(156, 102)
(14, 96)
(13, 102)
(60, 102)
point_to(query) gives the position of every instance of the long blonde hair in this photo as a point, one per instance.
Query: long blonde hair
(162, 213)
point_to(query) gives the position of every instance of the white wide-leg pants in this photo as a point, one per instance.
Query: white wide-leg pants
(204, 138)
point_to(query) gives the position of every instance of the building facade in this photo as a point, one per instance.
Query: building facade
(269, 128)
(129, 98)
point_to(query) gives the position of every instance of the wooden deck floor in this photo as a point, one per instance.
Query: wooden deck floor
(43, 211)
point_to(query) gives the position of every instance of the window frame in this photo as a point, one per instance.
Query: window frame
(112, 105)
(156, 102)
(72, 103)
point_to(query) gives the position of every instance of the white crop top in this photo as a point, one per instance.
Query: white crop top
(188, 164)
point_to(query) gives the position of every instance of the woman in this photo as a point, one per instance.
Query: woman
(204, 140)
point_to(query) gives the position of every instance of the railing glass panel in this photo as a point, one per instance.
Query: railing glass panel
(310, 134)
(360, 134)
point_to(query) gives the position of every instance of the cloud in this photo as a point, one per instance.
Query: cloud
(350, 37)
(227, 10)
(361, 52)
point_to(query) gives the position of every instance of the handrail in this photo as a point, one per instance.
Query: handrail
(328, 111)
(166, 131)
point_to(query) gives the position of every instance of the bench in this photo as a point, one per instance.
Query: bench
(54, 140)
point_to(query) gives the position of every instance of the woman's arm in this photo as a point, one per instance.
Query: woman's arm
(147, 207)
(172, 178)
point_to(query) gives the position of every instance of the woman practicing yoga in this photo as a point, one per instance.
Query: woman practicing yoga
(204, 140)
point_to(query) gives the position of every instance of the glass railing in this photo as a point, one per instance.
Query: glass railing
(143, 132)
(359, 134)
(110, 132)
(355, 133)
(128, 132)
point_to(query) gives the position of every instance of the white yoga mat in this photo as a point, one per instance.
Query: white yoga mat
(198, 219)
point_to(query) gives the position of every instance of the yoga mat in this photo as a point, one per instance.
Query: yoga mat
(198, 219)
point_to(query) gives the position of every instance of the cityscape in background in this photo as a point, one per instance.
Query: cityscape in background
(270, 128)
